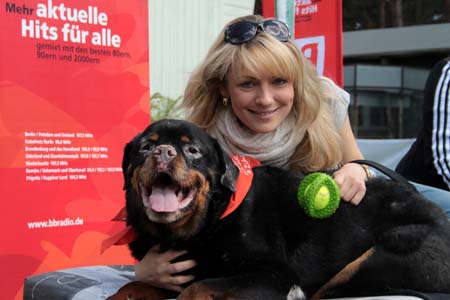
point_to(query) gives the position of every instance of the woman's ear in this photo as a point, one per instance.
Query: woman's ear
(224, 91)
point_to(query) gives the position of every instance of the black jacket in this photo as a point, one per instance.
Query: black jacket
(428, 159)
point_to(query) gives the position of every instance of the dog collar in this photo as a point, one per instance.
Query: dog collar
(245, 164)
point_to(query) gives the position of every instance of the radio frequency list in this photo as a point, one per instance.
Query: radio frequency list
(49, 156)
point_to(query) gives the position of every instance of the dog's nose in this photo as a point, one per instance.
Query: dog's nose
(164, 153)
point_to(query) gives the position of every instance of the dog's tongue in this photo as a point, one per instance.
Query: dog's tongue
(163, 200)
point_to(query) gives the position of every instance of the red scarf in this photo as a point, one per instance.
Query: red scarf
(245, 165)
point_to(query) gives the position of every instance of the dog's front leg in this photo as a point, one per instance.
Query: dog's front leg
(208, 290)
(137, 290)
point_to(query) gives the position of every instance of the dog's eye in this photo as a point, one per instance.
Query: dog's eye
(146, 147)
(192, 151)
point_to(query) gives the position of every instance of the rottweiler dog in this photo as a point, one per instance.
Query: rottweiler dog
(179, 182)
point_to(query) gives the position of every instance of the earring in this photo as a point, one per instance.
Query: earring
(225, 101)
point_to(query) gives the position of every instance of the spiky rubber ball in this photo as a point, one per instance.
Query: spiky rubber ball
(319, 195)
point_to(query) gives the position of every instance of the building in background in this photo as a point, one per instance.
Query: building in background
(389, 48)
(180, 33)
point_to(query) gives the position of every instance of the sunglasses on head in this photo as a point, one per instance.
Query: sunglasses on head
(244, 31)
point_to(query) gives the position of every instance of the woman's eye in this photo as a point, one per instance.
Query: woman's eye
(247, 84)
(279, 81)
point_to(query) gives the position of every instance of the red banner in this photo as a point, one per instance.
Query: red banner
(317, 32)
(74, 88)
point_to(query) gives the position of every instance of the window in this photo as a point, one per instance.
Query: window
(393, 13)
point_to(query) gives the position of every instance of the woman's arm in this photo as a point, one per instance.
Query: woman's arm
(350, 177)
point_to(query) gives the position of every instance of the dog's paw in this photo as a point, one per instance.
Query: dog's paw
(204, 291)
(296, 293)
(138, 291)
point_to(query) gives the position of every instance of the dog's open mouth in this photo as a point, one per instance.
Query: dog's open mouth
(166, 195)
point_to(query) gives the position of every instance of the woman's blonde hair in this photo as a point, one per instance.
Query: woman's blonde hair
(321, 147)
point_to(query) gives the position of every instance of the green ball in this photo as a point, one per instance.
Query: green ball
(319, 195)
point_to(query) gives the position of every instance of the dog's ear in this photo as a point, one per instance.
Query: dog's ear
(228, 170)
(126, 162)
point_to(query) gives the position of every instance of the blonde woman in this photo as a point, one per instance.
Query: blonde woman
(258, 95)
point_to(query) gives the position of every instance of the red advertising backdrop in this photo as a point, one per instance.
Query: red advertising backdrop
(74, 88)
(317, 32)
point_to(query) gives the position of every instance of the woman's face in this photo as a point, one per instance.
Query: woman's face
(262, 103)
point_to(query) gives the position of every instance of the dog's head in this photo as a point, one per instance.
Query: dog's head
(173, 173)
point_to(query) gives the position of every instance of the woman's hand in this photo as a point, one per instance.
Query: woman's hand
(351, 181)
(157, 269)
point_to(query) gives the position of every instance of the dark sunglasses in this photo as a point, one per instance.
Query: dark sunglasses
(244, 31)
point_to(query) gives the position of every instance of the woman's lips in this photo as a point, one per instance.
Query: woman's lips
(264, 114)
